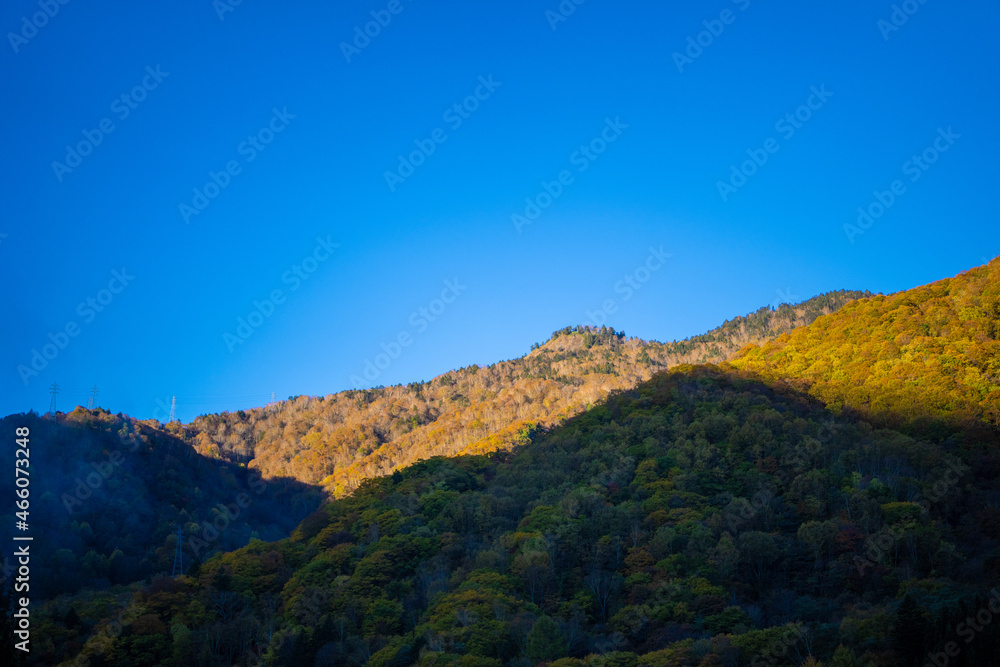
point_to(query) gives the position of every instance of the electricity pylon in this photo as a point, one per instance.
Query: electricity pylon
(54, 390)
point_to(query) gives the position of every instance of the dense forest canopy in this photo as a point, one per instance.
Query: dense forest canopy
(702, 518)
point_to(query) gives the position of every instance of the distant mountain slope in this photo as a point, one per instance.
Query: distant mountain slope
(341, 439)
(931, 351)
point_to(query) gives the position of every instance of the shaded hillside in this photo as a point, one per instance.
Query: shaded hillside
(108, 493)
(931, 351)
(341, 439)
(700, 519)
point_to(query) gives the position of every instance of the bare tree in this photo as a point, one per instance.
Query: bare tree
(574, 629)
(499, 611)
(227, 605)
(465, 617)
(636, 533)
(604, 584)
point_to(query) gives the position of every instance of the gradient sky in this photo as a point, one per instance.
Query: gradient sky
(778, 237)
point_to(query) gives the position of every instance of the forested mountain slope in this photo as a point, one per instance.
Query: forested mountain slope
(766, 511)
(341, 439)
(702, 518)
(928, 352)
(113, 491)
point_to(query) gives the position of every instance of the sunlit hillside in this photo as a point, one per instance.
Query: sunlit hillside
(340, 439)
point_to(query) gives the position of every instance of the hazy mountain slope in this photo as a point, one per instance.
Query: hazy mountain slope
(341, 439)
(931, 351)
(108, 493)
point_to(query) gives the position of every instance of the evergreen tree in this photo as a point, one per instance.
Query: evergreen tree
(545, 642)
(843, 657)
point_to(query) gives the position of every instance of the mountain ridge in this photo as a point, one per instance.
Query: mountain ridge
(339, 439)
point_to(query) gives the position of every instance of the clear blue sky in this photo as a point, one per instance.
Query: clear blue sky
(779, 235)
